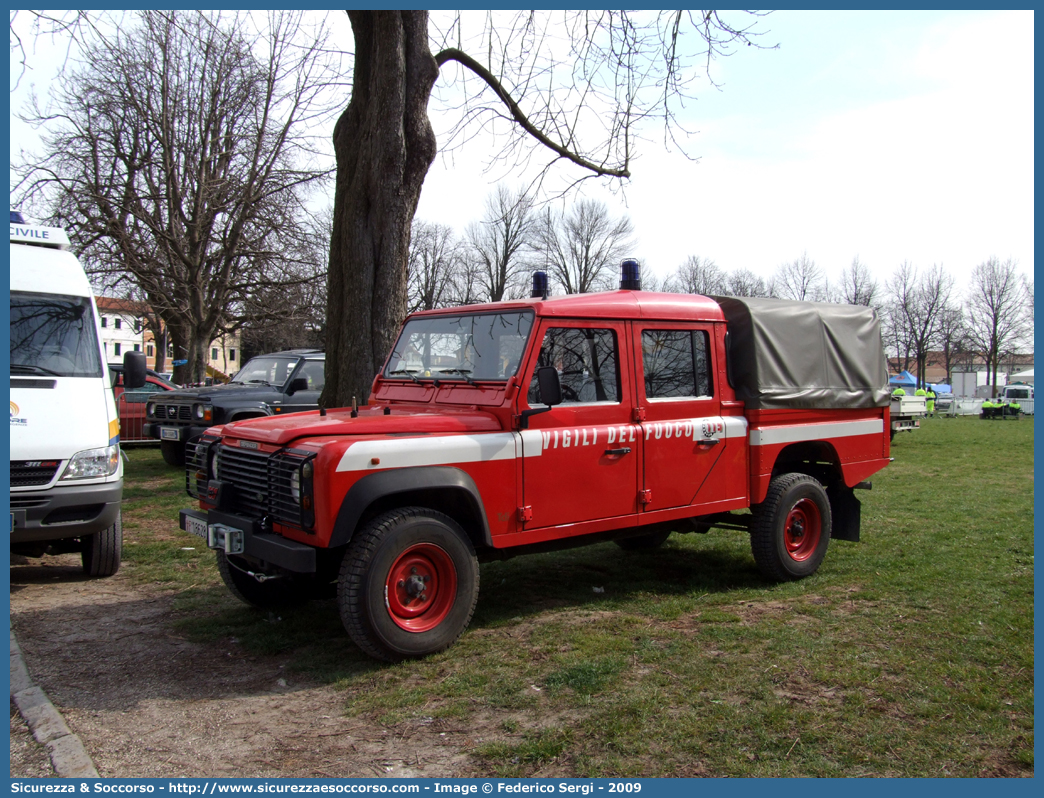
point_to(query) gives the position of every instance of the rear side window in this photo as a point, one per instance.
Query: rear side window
(676, 364)
(587, 364)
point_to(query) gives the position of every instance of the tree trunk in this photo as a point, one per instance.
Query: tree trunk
(384, 146)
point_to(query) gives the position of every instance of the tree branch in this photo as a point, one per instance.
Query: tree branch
(462, 58)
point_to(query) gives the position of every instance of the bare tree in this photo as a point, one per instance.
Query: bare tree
(800, 279)
(554, 79)
(292, 316)
(996, 309)
(583, 246)
(179, 155)
(434, 265)
(502, 242)
(916, 312)
(699, 276)
(744, 282)
(857, 285)
(902, 289)
(954, 340)
(578, 86)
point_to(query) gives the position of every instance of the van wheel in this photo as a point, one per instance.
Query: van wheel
(173, 452)
(790, 530)
(643, 542)
(102, 551)
(273, 594)
(409, 584)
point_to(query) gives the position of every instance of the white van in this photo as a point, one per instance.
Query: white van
(1019, 392)
(66, 470)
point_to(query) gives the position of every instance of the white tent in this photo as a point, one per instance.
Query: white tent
(1022, 376)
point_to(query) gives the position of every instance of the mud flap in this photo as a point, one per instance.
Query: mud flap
(845, 509)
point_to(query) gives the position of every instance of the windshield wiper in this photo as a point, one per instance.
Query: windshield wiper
(33, 369)
(407, 372)
(462, 372)
(257, 382)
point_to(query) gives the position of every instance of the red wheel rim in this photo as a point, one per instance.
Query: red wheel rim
(421, 587)
(804, 526)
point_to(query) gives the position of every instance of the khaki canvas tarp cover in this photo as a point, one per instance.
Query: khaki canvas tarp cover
(786, 354)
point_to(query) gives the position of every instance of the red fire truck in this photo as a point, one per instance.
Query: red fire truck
(520, 426)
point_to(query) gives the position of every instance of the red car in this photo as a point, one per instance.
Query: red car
(131, 404)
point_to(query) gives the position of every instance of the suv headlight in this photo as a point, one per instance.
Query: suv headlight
(301, 491)
(204, 412)
(93, 463)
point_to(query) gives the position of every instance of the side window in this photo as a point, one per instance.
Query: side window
(313, 371)
(587, 363)
(676, 364)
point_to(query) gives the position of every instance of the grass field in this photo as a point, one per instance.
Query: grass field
(908, 654)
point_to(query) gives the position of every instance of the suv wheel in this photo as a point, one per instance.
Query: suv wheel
(790, 530)
(409, 584)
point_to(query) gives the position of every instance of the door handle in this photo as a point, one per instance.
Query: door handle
(709, 441)
(623, 450)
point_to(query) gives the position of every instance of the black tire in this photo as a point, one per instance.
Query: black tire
(173, 452)
(273, 594)
(103, 551)
(790, 530)
(409, 584)
(648, 542)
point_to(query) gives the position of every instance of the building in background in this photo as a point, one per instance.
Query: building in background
(123, 329)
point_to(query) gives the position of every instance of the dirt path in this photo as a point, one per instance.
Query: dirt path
(148, 703)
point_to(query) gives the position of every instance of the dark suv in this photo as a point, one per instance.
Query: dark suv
(268, 385)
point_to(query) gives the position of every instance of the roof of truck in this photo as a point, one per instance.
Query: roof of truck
(607, 305)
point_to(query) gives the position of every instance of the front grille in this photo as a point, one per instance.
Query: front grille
(167, 412)
(256, 484)
(27, 473)
(247, 471)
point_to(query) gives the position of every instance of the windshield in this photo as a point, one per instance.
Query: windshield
(486, 346)
(266, 370)
(53, 334)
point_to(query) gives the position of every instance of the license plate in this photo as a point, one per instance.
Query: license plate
(196, 526)
(169, 433)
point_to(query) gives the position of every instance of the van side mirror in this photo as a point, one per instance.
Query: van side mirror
(297, 384)
(133, 370)
(550, 386)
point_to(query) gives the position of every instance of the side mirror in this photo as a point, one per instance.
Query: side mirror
(297, 384)
(550, 386)
(133, 370)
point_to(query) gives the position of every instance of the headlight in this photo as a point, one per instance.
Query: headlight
(93, 463)
(214, 474)
(295, 484)
(204, 412)
(150, 410)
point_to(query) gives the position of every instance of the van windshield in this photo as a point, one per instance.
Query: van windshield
(53, 334)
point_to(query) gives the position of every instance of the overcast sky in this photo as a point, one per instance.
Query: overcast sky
(889, 136)
(885, 135)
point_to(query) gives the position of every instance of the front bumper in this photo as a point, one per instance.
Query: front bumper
(234, 534)
(64, 511)
(174, 432)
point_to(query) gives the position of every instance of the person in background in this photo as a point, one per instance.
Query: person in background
(899, 391)
(931, 401)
